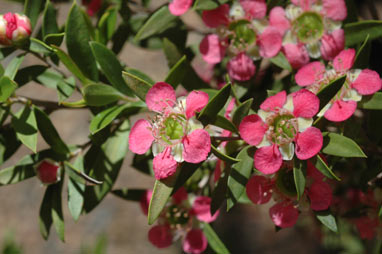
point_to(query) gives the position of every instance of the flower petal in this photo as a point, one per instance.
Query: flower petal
(241, 67)
(180, 195)
(278, 20)
(197, 146)
(287, 151)
(258, 189)
(160, 96)
(216, 17)
(195, 242)
(308, 143)
(332, 44)
(320, 195)
(304, 123)
(296, 54)
(196, 101)
(160, 236)
(212, 49)
(252, 129)
(164, 165)
(179, 7)
(305, 104)
(310, 74)
(340, 110)
(367, 82)
(202, 209)
(140, 137)
(283, 215)
(275, 101)
(268, 159)
(270, 41)
(254, 9)
(344, 60)
(335, 9)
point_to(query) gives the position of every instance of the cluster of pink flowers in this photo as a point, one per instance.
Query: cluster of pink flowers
(314, 76)
(181, 219)
(173, 132)
(14, 28)
(280, 187)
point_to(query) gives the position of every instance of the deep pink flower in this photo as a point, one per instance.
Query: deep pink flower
(160, 236)
(241, 67)
(92, 6)
(14, 28)
(284, 214)
(367, 227)
(216, 17)
(180, 196)
(296, 54)
(179, 7)
(259, 189)
(195, 242)
(48, 172)
(201, 208)
(282, 121)
(174, 134)
(145, 201)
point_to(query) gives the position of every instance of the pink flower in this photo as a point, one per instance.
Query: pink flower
(179, 7)
(367, 227)
(241, 67)
(259, 189)
(145, 201)
(14, 28)
(174, 134)
(48, 172)
(284, 214)
(282, 121)
(201, 208)
(160, 236)
(92, 6)
(314, 76)
(195, 242)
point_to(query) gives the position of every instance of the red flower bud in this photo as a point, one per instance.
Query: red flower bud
(48, 172)
(14, 28)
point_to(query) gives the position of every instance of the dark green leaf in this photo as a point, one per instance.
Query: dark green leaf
(338, 145)
(45, 218)
(7, 87)
(210, 111)
(57, 216)
(8, 140)
(220, 192)
(213, 239)
(130, 194)
(99, 94)
(30, 73)
(281, 61)
(324, 168)
(372, 102)
(11, 70)
(76, 191)
(224, 123)
(329, 91)
(241, 111)
(77, 42)
(110, 66)
(79, 176)
(299, 172)
(23, 170)
(32, 9)
(49, 22)
(139, 86)
(185, 171)
(363, 55)
(49, 78)
(172, 53)
(161, 194)
(65, 88)
(177, 73)
(54, 39)
(4, 52)
(156, 23)
(358, 31)
(49, 132)
(328, 220)
(223, 156)
(39, 47)
(25, 125)
(240, 172)
(106, 25)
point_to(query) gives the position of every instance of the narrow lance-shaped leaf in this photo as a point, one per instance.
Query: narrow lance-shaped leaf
(223, 156)
(139, 86)
(11, 70)
(358, 31)
(299, 172)
(7, 87)
(32, 9)
(213, 240)
(328, 220)
(99, 94)
(330, 90)
(372, 102)
(363, 55)
(49, 22)
(338, 145)
(325, 169)
(57, 215)
(224, 123)
(23, 170)
(241, 111)
(220, 192)
(76, 191)
(281, 61)
(25, 125)
(177, 73)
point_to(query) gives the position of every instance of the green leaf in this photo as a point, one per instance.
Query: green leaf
(210, 111)
(110, 66)
(185, 171)
(328, 220)
(39, 47)
(372, 102)
(140, 75)
(77, 42)
(157, 23)
(129, 194)
(65, 88)
(238, 178)
(213, 239)
(330, 90)
(57, 216)
(358, 31)
(161, 194)
(49, 132)
(201, 5)
(281, 61)
(103, 163)
(224, 123)
(338, 145)
(172, 53)
(69, 63)
(49, 22)
(324, 168)
(25, 125)
(78, 175)
(45, 218)
(223, 156)
(139, 86)
(54, 39)
(363, 55)
(4, 52)
(220, 192)
(7, 87)
(106, 25)
(9, 142)
(241, 111)
(299, 172)
(13, 66)
(76, 191)
(32, 9)
(1, 70)
(99, 94)
(23, 170)
(177, 73)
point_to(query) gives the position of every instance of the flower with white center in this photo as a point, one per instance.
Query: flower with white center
(14, 28)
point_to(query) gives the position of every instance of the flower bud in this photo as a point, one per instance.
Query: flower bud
(48, 172)
(14, 28)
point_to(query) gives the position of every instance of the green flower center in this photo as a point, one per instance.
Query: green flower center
(284, 128)
(309, 27)
(243, 34)
(177, 216)
(173, 128)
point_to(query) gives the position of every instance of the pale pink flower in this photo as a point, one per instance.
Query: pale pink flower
(174, 133)
(281, 128)
(14, 28)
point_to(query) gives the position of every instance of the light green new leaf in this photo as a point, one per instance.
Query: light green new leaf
(25, 125)
(7, 87)
(338, 145)
(281, 61)
(11, 70)
(328, 220)
(76, 190)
